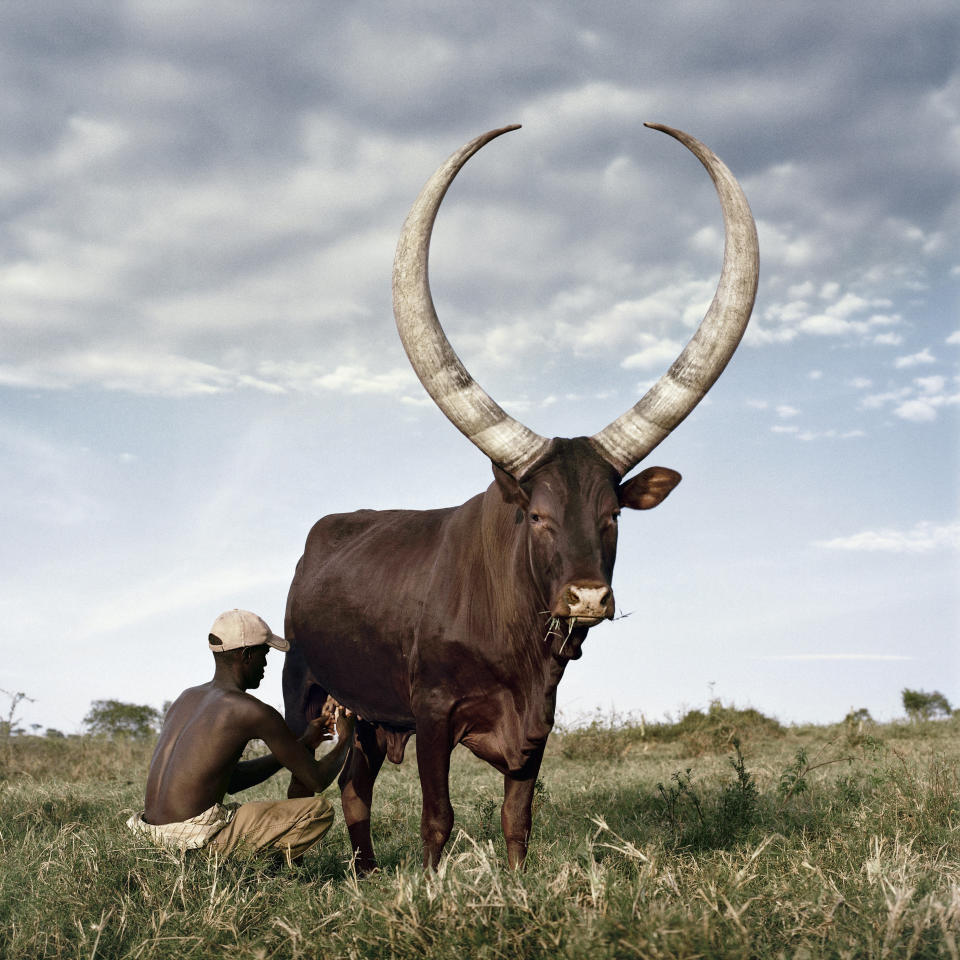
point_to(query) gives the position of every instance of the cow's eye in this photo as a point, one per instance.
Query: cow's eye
(534, 517)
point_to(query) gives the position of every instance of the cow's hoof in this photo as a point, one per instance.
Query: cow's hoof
(365, 866)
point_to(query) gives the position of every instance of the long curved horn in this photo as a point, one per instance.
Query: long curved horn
(626, 441)
(508, 443)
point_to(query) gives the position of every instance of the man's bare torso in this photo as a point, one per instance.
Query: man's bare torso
(203, 737)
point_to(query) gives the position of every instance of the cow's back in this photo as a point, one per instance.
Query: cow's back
(357, 599)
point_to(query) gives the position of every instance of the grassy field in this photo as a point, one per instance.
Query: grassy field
(665, 840)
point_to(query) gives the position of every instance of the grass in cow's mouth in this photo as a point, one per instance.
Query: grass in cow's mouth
(554, 629)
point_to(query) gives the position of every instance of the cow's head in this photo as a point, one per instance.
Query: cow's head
(568, 492)
(569, 505)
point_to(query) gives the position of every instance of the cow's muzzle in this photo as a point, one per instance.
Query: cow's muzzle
(585, 604)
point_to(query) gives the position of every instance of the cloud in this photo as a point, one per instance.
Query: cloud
(917, 403)
(930, 385)
(813, 657)
(954, 337)
(655, 354)
(875, 401)
(917, 411)
(851, 303)
(785, 247)
(840, 318)
(915, 359)
(809, 435)
(147, 374)
(348, 379)
(823, 325)
(924, 537)
(175, 376)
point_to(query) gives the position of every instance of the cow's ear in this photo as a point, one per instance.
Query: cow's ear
(510, 489)
(648, 489)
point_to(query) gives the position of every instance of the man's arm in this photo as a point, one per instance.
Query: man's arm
(248, 773)
(295, 755)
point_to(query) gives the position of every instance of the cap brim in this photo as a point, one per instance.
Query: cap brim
(278, 643)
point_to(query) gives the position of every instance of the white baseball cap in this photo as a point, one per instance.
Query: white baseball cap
(241, 628)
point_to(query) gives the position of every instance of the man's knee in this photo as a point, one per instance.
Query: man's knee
(278, 825)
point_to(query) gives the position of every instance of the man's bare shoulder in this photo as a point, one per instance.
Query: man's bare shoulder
(222, 705)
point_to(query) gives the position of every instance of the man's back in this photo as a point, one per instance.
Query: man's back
(203, 737)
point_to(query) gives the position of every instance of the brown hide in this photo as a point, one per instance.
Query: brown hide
(439, 622)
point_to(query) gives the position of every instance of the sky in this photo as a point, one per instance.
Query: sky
(199, 204)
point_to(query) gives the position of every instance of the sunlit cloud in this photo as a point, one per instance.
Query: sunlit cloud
(922, 538)
(813, 657)
(830, 434)
(915, 359)
(917, 411)
(656, 353)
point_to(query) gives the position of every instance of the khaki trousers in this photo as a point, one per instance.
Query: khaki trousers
(290, 827)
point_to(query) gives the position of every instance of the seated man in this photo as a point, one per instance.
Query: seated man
(197, 758)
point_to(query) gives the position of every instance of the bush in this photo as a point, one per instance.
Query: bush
(613, 737)
(113, 719)
(921, 705)
(721, 727)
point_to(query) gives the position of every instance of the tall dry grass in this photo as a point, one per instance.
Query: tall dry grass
(862, 861)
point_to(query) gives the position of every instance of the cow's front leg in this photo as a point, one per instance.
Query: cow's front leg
(516, 817)
(433, 763)
(356, 792)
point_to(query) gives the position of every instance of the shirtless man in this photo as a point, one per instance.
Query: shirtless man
(197, 758)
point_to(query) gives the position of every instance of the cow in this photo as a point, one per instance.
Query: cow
(457, 624)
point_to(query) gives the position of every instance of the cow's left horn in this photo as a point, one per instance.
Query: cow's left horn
(626, 441)
(470, 409)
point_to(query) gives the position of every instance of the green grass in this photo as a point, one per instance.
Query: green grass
(808, 842)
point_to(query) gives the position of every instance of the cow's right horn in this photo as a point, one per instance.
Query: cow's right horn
(508, 443)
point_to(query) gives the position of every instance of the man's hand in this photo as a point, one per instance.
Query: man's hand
(345, 722)
(316, 732)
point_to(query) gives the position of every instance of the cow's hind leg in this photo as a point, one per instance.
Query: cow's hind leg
(303, 700)
(356, 791)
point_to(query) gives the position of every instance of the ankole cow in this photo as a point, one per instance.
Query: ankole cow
(457, 624)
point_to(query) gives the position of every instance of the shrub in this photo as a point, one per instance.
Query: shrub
(713, 731)
(921, 705)
(113, 719)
